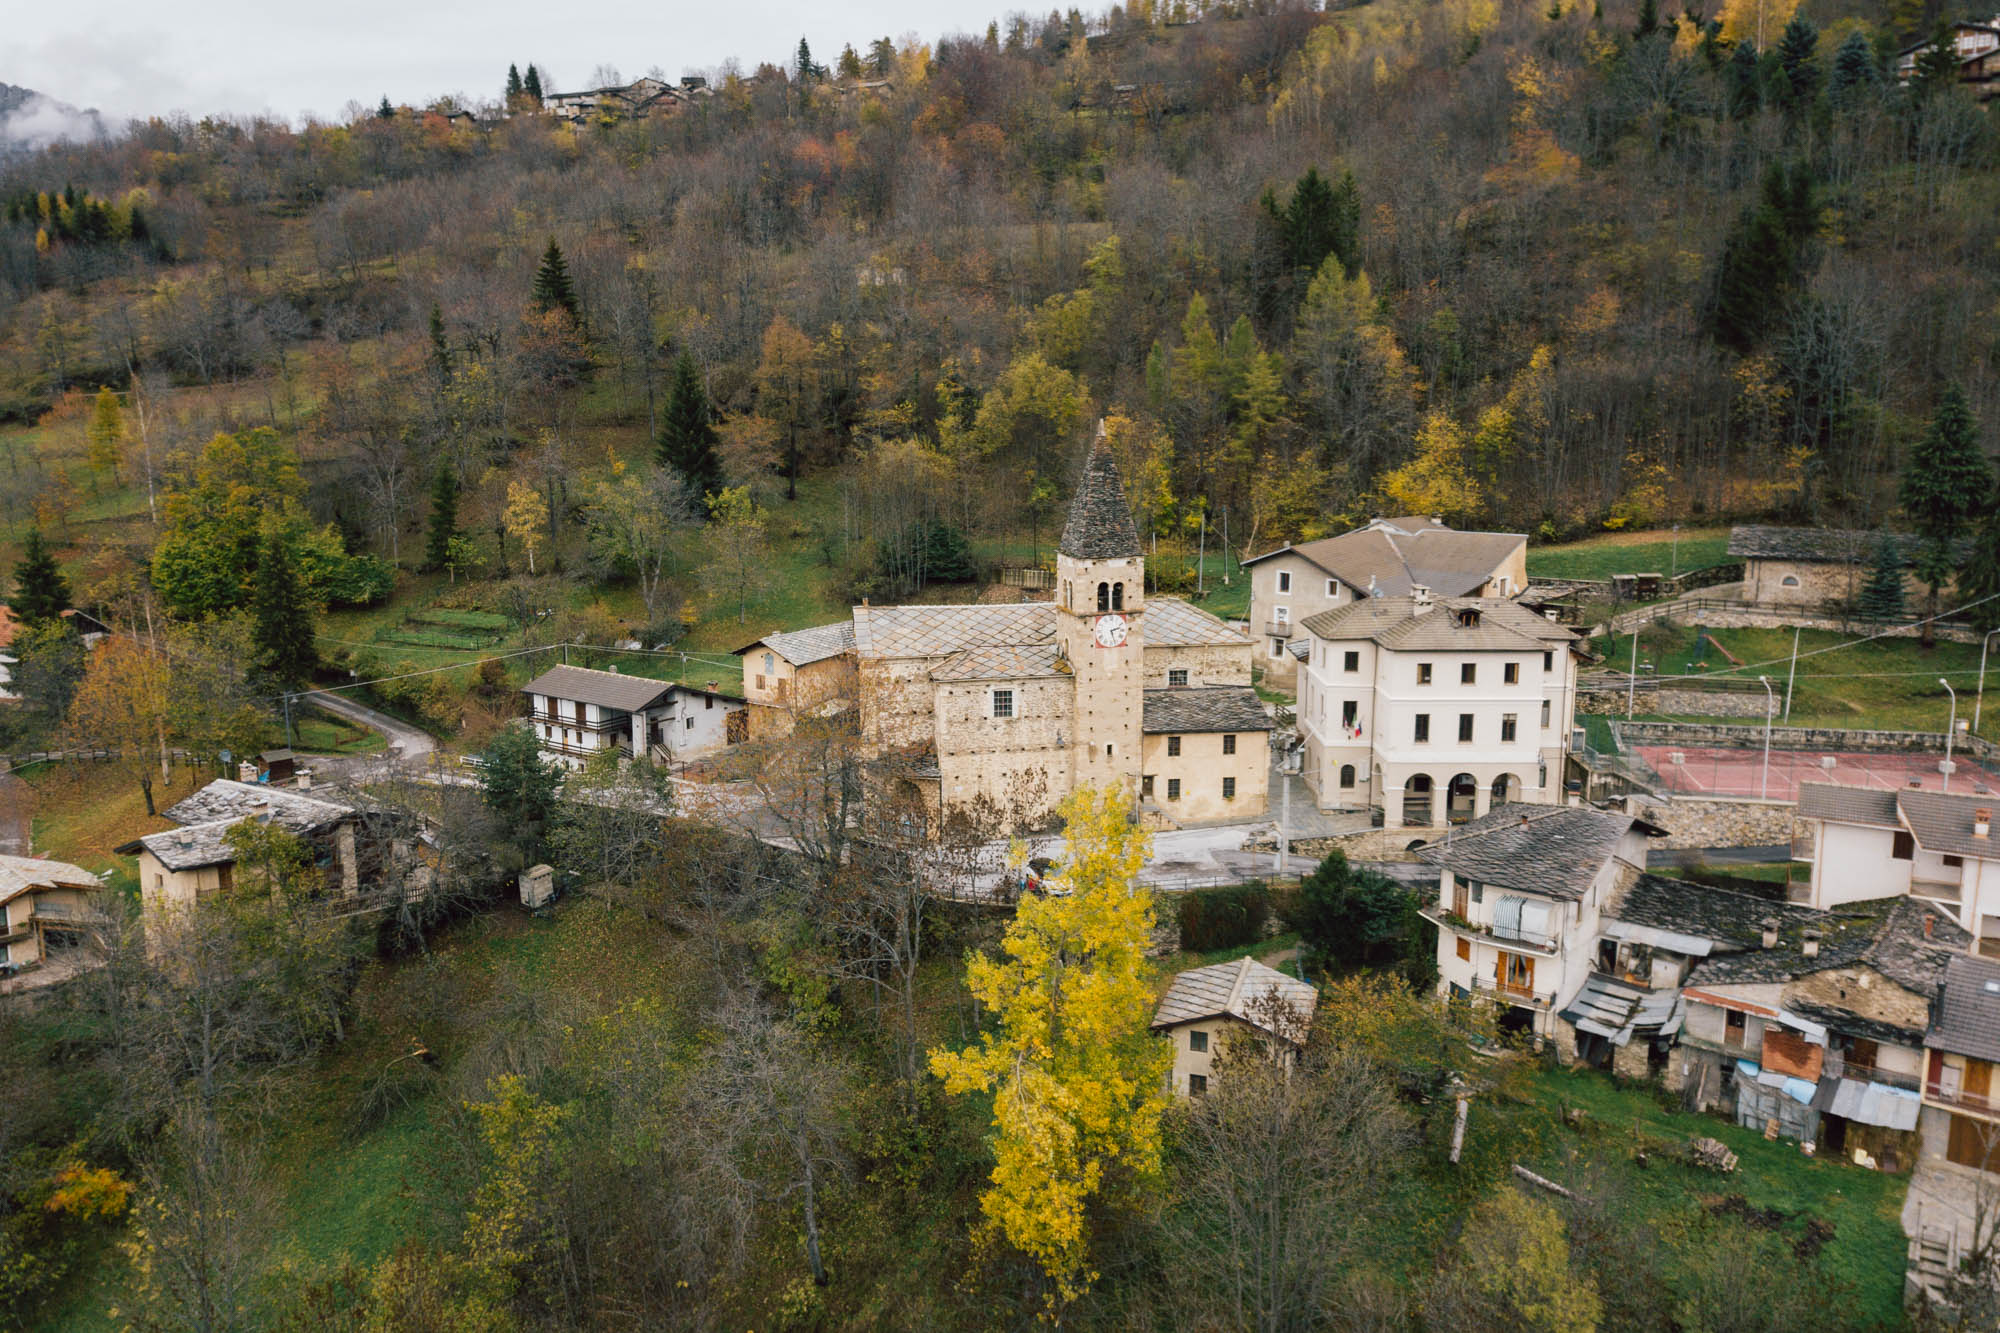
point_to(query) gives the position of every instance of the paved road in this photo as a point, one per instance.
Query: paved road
(414, 741)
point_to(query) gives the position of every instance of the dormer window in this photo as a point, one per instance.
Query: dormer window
(1468, 617)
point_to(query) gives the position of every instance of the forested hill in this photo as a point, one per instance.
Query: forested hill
(1545, 267)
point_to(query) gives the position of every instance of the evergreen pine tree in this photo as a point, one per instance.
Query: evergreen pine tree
(1798, 53)
(1649, 20)
(531, 84)
(1741, 89)
(881, 58)
(1979, 580)
(1946, 484)
(281, 618)
(385, 111)
(803, 60)
(1937, 64)
(1347, 224)
(553, 288)
(687, 434)
(444, 519)
(1765, 258)
(1855, 74)
(514, 86)
(41, 593)
(1882, 595)
(850, 62)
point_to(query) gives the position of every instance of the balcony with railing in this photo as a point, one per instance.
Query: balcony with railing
(1512, 992)
(1837, 1066)
(1278, 629)
(1958, 1099)
(1515, 939)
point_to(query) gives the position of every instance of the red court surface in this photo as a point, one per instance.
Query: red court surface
(1740, 772)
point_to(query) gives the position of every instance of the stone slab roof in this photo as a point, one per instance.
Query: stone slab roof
(1173, 623)
(1886, 934)
(805, 646)
(1451, 624)
(1847, 805)
(1390, 556)
(1812, 546)
(1205, 708)
(1966, 1018)
(1237, 990)
(1556, 851)
(939, 631)
(1731, 920)
(1002, 662)
(1100, 519)
(1944, 824)
(606, 689)
(226, 798)
(30, 874)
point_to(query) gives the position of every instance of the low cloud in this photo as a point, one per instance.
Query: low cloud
(41, 121)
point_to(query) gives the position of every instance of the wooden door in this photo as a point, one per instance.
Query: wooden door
(1978, 1081)
(1460, 900)
(1972, 1143)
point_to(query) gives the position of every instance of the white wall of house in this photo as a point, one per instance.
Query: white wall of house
(1284, 590)
(1854, 863)
(693, 723)
(1384, 696)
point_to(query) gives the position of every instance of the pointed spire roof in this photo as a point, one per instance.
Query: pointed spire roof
(1100, 521)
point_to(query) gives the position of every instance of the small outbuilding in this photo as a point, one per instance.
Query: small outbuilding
(1205, 1007)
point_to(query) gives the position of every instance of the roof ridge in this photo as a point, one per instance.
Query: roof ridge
(1244, 964)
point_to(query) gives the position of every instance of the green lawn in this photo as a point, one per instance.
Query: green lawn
(1649, 552)
(1886, 683)
(317, 733)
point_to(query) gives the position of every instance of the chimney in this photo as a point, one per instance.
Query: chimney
(304, 781)
(713, 688)
(1982, 822)
(1524, 821)
(261, 812)
(1809, 944)
(1420, 598)
(1770, 932)
(612, 669)
(1916, 784)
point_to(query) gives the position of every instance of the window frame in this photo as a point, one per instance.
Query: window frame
(994, 704)
(1347, 777)
(1197, 1085)
(1423, 673)
(1466, 728)
(1510, 728)
(1510, 673)
(1420, 730)
(1284, 580)
(1177, 672)
(1903, 846)
(1350, 660)
(1229, 742)
(1173, 747)
(1468, 673)
(1173, 789)
(1229, 787)
(1198, 1041)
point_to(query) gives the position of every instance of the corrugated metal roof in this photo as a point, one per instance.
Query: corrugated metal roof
(1241, 990)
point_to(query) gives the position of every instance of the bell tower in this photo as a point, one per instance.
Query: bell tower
(1100, 619)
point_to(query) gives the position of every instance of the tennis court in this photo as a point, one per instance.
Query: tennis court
(1728, 771)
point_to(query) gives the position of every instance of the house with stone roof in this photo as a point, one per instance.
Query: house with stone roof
(1387, 557)
(1013, 705)
(578, 713)
(1434, 710)
(195, 858)
(1518, 903)
(1205, 1008)
(46, 908)
(1961, 1095)
(1814, 567)
(1937, 847)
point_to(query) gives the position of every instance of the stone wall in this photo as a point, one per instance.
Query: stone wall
(1206, 664)
(1718, 822)
(1780, 617)
(1609, 700)
(898, 711)
(1795, 738)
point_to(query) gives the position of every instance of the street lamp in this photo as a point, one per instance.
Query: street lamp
(1980, 697)
(1950, 729)
(1770, 711)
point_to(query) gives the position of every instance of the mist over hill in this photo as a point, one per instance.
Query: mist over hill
(30, 120)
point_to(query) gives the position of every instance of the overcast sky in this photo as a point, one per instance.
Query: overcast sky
(245, 56)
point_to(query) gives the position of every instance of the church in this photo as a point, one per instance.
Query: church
(1018, 704)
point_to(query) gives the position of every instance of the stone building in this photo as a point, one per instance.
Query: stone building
(1813, 567)
(1435, 710)
(1389, 557)
(805, 673)
(45, 908)
(1016, 704)
(181, 864)
(1206, 1008)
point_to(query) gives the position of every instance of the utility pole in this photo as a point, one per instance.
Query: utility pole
(1201, 558)
(1979, 699)
(1950, 730)
(1225, 546)
(1770, 708)
(1632, 679)
(288, 721)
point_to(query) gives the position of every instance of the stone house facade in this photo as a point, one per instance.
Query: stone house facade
(184, 863)
(1813, 567)
(1389, 557)
(809, 672)
(1435, 710)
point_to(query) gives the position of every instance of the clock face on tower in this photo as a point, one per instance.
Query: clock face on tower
(1110, 631)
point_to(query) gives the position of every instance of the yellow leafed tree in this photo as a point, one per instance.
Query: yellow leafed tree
(1078, 1081)
(1437, 480)
(526, 518)
(1758, 21)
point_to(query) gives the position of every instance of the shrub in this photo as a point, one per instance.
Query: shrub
(1225, 918)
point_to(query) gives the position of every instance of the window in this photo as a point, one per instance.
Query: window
(1468, 673)
(1284, 580)
(1282, 614)
(1464, 950)
(690, 724)
(1350, 714)
(1003, 703)
(1350, 661)
(1423, 728)
(770, 664)
(1229, 789)
(1607, 956)
(1732, 1028)
(1109, 751)
(1520, 971)
(1117, 597)
(1197, 1040)
(1423, 673)
(1789, 581)
(1104, 597)
(1509, 723)
(1197, 1085)
(1347, 775)
(1173, 789)
(1954, 862)
(1905, 847)
(1545, 715)
(760, 682)
(707, 702)
(1548, 661)
(1277, 647)
(1173, 747)
(1229, 744)
(1464, 727)
(1176, 678)
(1332, 589)
(1510, 674)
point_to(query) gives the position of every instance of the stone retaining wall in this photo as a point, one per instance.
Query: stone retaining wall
(1610, 701)
(1751, 617)
(1795, 738)
(1717, 823)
